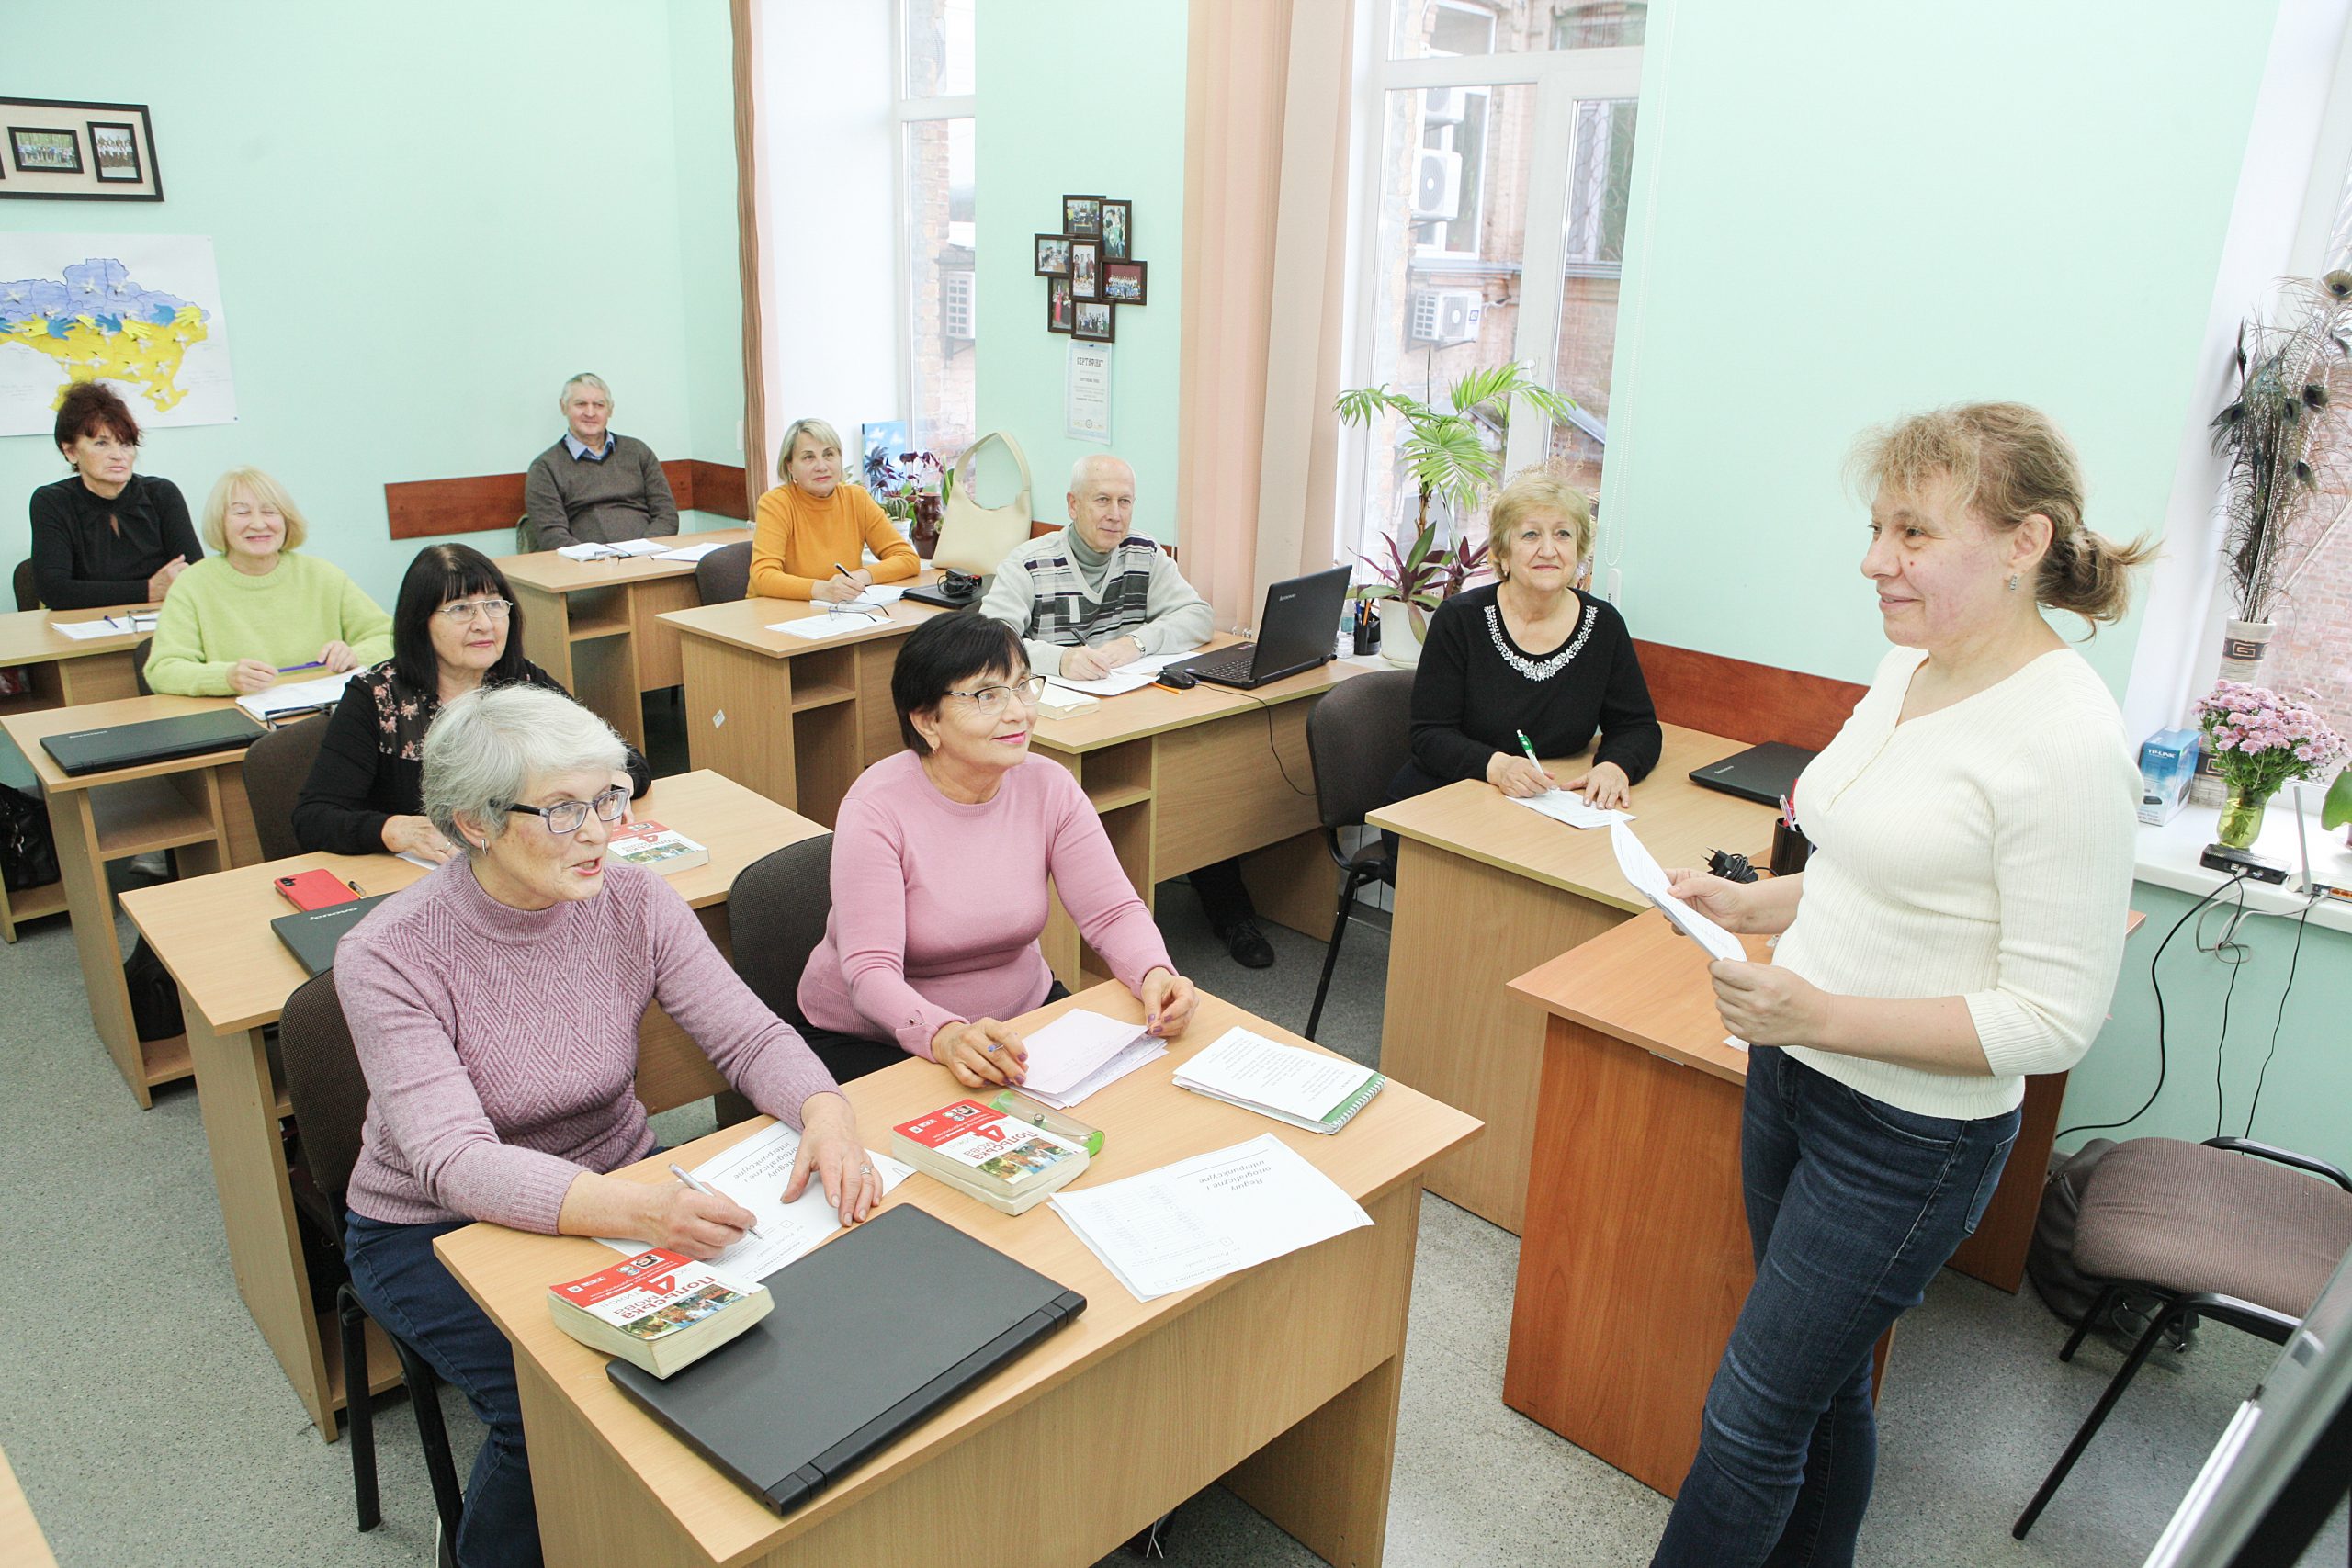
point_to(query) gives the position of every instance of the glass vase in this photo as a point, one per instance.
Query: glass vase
(2241, 821)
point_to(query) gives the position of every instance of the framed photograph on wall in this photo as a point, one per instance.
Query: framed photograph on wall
(1057, 305)
(44, 157)
(1118, 229)
(1085, 269)
(1124, 281)
(1053, 257)
(1093, 321)
(43, 149)
(113, 148)
(1082, 217)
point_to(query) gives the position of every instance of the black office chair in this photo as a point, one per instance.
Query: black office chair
(776, 913)
(2214, 1235)
(276, 767)
(1357, 736)
(330, 1100)
(725, 575)
(139, 652)
(27, 590)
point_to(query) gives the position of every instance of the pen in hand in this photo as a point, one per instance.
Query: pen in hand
(692, 1184)
(1529, 747)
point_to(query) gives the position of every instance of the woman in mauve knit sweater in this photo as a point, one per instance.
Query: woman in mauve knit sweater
(942, 858)
(495, 1008)
(1960, 925)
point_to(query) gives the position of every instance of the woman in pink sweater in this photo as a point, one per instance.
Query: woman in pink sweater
(495, 1008)
(942, 860)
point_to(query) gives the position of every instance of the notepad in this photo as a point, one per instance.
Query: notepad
(1305, 1088)
(1640, 869)
(815, 628)
(1081, 1052)
(1200, 1219)
(290, 698)
(105, 625)
(1567, 806)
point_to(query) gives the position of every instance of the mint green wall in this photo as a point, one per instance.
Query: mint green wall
(423, 222)
(1842, 213)
(1081, 99)
(2305, 1097)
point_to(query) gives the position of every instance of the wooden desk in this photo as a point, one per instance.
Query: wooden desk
(21, 1543)
(596, 626)
(195, 806)
(1486, 890)
(1281, 1380)
(213, 934)
(794, 719)
(66, 671)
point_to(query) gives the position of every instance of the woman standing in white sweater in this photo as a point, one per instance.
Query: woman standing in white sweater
(1959, 925)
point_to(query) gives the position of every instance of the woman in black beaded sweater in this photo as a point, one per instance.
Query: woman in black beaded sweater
(456, 626)
(1532, 654)
(104, 535)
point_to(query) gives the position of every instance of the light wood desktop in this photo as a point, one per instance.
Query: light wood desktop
(194, 807)
(794, 719)
(596, 626)
(64, 671)
(22, 1545)
(1485, 890)
(213, 933)
(1281, 1380)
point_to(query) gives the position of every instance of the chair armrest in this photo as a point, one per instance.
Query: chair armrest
(2283, 1156)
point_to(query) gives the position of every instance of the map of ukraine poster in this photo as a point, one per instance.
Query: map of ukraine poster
(139, 311)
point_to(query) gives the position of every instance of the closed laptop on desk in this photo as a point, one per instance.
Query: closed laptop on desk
(152, 741)
(311, 934)
(1763, 773)
(870, 1334)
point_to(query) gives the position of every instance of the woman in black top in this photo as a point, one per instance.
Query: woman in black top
(456, 626)
(104, 535)
(1531, 653)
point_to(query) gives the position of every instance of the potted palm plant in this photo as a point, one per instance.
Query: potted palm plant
(1455, 455)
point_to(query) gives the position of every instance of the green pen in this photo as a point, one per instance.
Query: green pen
(1529, 747)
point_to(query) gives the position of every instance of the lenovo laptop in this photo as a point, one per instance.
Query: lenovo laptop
(1300, 624)
(83, 751)
(1763, 773)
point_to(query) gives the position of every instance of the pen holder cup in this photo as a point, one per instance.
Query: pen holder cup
(1790, 849)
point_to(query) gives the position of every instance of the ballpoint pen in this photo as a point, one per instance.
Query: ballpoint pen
(1529, 747)
(692, 1184)
(313, 664)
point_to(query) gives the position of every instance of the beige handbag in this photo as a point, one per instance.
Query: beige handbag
(973, 536)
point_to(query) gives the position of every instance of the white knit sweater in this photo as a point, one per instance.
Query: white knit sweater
(1984, 851)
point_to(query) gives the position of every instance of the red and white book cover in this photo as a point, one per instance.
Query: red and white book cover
(650, 844)
(980, 1138)
(653, 1294)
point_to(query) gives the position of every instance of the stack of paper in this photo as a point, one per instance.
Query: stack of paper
(753, 1173)
(1081, 1052)
(1306, 1088)
(817, 628)
(618, 549)
(106, 625)
(689, 552)
(1640, 869)
(1200, 1219)
(1567, 806)
(289, 698)
(1133, 676)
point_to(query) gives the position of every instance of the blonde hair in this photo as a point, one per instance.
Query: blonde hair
(265, 491)
(1540, 489)
(826, 436)
(2006, 462)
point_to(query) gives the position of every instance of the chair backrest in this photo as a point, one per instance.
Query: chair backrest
(323, 1082)
(776, 913)
(527, 537)
(139, 652)
(725, 574)
(276, 767)
(1358, 735)
(27, 591)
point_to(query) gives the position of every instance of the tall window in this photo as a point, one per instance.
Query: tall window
(935, 253)
(1498, 144)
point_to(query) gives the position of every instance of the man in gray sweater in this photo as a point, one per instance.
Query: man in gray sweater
(593, 486)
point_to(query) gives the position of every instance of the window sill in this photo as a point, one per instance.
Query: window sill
(2167, 858)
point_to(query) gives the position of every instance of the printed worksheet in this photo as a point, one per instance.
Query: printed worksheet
(753, 1173)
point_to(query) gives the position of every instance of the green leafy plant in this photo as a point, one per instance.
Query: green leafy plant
(2336, 809)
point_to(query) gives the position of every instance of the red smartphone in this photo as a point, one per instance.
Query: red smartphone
(314, 890)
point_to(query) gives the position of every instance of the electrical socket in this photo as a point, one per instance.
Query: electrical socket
(2220, 857)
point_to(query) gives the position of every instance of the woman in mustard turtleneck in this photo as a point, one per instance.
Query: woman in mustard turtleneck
(812, 530)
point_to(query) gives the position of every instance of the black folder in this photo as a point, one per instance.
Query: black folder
(152, 740)
(871, 1333)
(1763, 773)
(312, 933)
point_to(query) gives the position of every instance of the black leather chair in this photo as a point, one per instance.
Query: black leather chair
(775, 916)
(725, 575)
(276, 767)
(27, 591)
(139, 653)
(330, 1100)
(1357, 736)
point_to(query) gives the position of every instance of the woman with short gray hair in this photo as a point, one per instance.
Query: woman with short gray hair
(495, 1006)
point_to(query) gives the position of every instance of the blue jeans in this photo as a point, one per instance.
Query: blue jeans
(1852, 1206)
(405, 1288)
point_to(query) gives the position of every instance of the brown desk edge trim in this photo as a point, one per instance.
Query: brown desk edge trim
(419, 509)
(1754, 702)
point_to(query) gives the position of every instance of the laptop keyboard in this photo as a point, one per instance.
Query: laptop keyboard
(1229, 664)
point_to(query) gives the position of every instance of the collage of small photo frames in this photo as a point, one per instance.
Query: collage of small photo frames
(1090, 269)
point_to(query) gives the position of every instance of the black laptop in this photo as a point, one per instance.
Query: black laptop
(311, 934)
(870, 1334)
(1301, 623)
(951, 590)
(83, 751)
(1764, 773)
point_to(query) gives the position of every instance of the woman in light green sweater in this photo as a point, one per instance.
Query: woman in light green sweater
(254, 610)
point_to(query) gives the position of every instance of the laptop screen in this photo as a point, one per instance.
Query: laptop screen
(1301, 622)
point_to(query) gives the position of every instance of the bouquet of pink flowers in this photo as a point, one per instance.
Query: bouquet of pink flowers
(2259, 740)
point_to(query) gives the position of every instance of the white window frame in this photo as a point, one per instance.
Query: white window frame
(1561, 78)
(908, 111)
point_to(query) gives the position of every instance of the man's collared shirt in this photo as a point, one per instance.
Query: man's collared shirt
(580, 448)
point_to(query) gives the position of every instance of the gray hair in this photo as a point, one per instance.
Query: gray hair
(486, 749)
(1078, 470)
(826, 436)
(586, 378)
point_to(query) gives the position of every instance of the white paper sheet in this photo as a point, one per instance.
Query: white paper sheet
(1071, 1049)
(105, 625)
(1567, 806)
(1133, 676)
(1186, 1223)
(753, 1173)
(616, 550)
(1640, 869)
(880, 594)
(690, 552)
(816, 628)
(1143, 1049)
(296, 696)
(1255, 1070)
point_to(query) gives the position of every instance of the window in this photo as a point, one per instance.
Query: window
(935, 183)
(1498, 138)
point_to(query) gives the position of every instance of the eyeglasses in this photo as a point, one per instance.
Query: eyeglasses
(991, 700)
(570, 815)
(462, 610)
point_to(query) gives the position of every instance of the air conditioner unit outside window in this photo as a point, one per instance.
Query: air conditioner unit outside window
(1443, 106)
(1436, 186)
(1446, 315)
